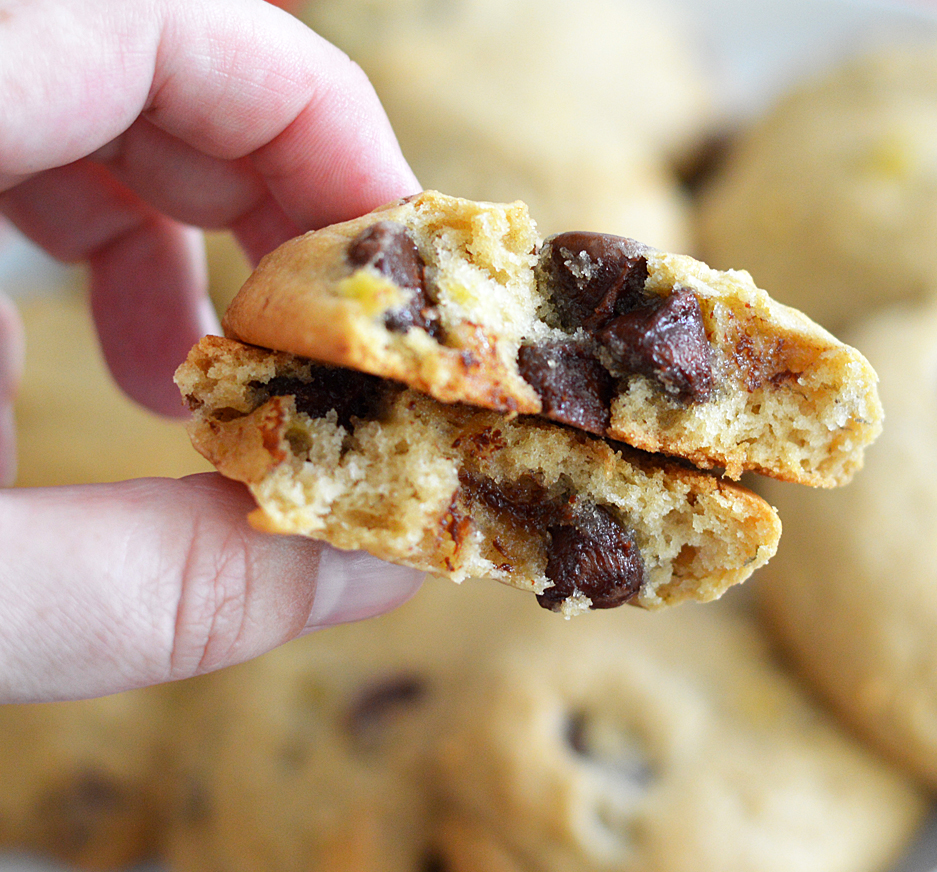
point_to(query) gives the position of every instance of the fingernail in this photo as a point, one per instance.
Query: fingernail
(353, 585)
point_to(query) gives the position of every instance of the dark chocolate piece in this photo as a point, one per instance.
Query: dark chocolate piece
(594, 555)
(388, 247)
(591, 277)
(666, 342)
(350, 393)
(572, 384)
(590, 551)
(74, 811)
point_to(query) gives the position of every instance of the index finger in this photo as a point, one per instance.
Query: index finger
(232, 79)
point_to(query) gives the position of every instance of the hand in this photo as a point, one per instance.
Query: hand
(127, 122)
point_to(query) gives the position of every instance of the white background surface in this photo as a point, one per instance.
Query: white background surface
(757, 47)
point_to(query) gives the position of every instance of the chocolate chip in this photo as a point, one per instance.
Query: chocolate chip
(594, 555)
(376, 705)
(350, 393)
(388, 248)
(572, 384)
(590, 551)
(76, 810)
(524, 501)
(590, 277)
(665, 341)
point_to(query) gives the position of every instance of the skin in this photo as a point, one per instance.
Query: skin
(130, 124)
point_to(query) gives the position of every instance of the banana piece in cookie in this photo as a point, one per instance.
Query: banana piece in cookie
(464, 301)
(366, 463)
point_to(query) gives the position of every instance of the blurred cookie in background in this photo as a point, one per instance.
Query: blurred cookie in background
(830, 199)
(81, 781)
(466, 732)
(577, 114)
(852, 592)
(315, 756)
(649, 742)
(74, 425)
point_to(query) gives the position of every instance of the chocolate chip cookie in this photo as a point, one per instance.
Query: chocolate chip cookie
(316, 755)
(828, 198)
(367, 463)
(625, 741)
(466, 733)
(528, 100)
(852, 595)
(464, 301)
(83, 781)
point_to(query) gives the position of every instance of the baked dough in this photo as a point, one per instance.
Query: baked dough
(82, 781)
(466, 732)
(628, 741)
(576, 114)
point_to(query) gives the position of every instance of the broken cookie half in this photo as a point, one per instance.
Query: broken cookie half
(463, 301)
(368, 463)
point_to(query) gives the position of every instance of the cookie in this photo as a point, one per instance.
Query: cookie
(497, 101)
(852, 595)
(82, 781)
(465, 733)
(464, 301)
(316, 755)
(626, 741)
(74, 425)
(616, 71)
(828, 199)
(366, 463)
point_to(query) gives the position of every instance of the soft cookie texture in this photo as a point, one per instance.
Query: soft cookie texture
(367, 463)
(852, 594)
(464, 301)
(464, 732)
(829, 198)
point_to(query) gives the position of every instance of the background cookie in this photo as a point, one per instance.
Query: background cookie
(830, 200)
(574, 113)
(316, 755)
(852, 592)
(462, 732)
(83, 781)
(74, 425)
(672, 744)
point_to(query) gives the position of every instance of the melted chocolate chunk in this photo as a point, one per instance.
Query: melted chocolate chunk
(590, 551)
(350, 393)
(591, 277)
(594, 555)
(666, 342)
(525, 501)
(388, 247)
(596, 284)
(572, 384)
